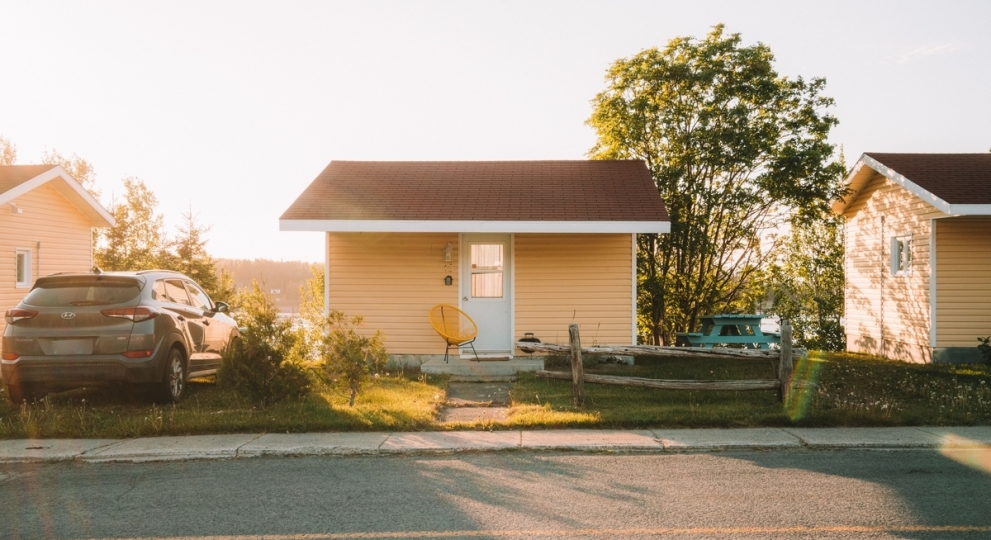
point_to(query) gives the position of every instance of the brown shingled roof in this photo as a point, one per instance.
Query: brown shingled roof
(12, 176)
(954, 178)
(481, 190)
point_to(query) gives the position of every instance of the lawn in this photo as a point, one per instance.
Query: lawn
(851, 390)
(393, 403)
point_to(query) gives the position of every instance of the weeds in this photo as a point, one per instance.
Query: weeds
(850, 390)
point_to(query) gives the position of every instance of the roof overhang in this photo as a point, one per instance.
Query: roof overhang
(475, 226)
(865, 169)
(69, 188)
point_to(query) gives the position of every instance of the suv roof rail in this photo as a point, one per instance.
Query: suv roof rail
(159, 271)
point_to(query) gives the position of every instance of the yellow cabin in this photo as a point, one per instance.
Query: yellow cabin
(46, 226)
(521, 246)
(918, 256)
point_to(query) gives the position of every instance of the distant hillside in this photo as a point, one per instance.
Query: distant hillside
(281, 279)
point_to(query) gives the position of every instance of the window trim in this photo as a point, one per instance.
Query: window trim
(28, 256)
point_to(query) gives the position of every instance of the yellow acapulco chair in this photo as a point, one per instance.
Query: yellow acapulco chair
(455, 326)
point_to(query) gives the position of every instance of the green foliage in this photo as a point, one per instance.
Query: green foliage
(77, 167)
(186, 253)
(985, 348)
(731, 146)
(137, 241)
(8, 151)
(311, 308)
(806, 283)
(348, 355)
(265, 365)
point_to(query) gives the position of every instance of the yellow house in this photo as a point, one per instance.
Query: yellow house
(918, 256)
(521, 246)
(46, 226)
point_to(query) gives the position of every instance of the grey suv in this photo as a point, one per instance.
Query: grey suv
(153, 327)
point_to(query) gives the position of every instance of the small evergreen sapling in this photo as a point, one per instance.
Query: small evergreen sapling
(265, 364)
(350, 356)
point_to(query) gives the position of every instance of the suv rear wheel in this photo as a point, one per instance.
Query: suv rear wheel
(173, 385)
(20, 392)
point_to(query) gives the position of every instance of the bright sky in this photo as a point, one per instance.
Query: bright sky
(234, 107)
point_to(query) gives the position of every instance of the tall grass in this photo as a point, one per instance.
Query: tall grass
(392, 403)
(850, 390)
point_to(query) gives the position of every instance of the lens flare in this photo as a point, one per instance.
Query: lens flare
(973, 454)
(805, 378)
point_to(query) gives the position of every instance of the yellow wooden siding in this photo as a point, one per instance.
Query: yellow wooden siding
(581, 278)
(963, 281)
(393, 279)
(64, 232)
(887, 314)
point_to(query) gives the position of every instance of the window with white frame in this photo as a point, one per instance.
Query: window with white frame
(22, 269)
(901, 255)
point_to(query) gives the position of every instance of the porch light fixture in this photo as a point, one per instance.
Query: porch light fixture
(449, 253)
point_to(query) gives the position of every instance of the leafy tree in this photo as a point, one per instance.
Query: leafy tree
(311, 305)
(732, 147)
(8, 151)
(265, 364)
(77, 167)
(350, 356)
(137, 241)
(807, 283)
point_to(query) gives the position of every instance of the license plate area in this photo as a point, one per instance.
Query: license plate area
(67, 347)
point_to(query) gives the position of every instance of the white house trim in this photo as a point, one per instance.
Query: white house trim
(856, 183)
(474, 226)
(70, 189)
(932, 282)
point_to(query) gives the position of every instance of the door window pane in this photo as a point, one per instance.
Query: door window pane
(199, 298)
(486, 257)
(486, 285)
(176, 293)
(486, 270)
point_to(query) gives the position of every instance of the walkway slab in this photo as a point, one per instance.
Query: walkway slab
(890, 437)
(172, 448)
(717, 439)
(474, 414)
(589, 439)
(313, 444)
(962, 436)
(451, 441)
(50, 449)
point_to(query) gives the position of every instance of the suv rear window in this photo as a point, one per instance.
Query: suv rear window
(96, 291)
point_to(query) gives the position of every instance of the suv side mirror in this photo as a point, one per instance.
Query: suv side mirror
(221, 307)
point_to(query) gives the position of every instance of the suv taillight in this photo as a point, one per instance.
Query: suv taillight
(17, 314)
(136, 314)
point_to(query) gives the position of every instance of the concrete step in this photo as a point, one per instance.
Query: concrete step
(469, 370)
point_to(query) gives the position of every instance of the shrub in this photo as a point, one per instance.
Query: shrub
(266, 364)
(348, 355)
(985, 348)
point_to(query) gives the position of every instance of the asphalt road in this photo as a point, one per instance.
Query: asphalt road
(784, 494)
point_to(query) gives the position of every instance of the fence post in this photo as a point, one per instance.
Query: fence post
(577, 371)
(785, 365)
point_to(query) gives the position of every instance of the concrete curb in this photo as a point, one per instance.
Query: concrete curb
(448, 442)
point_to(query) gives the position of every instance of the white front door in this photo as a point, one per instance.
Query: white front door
(486, 290)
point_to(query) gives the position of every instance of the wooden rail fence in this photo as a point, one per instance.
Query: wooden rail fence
(785, 357)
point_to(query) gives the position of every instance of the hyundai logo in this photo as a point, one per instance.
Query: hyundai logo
(68, 315)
